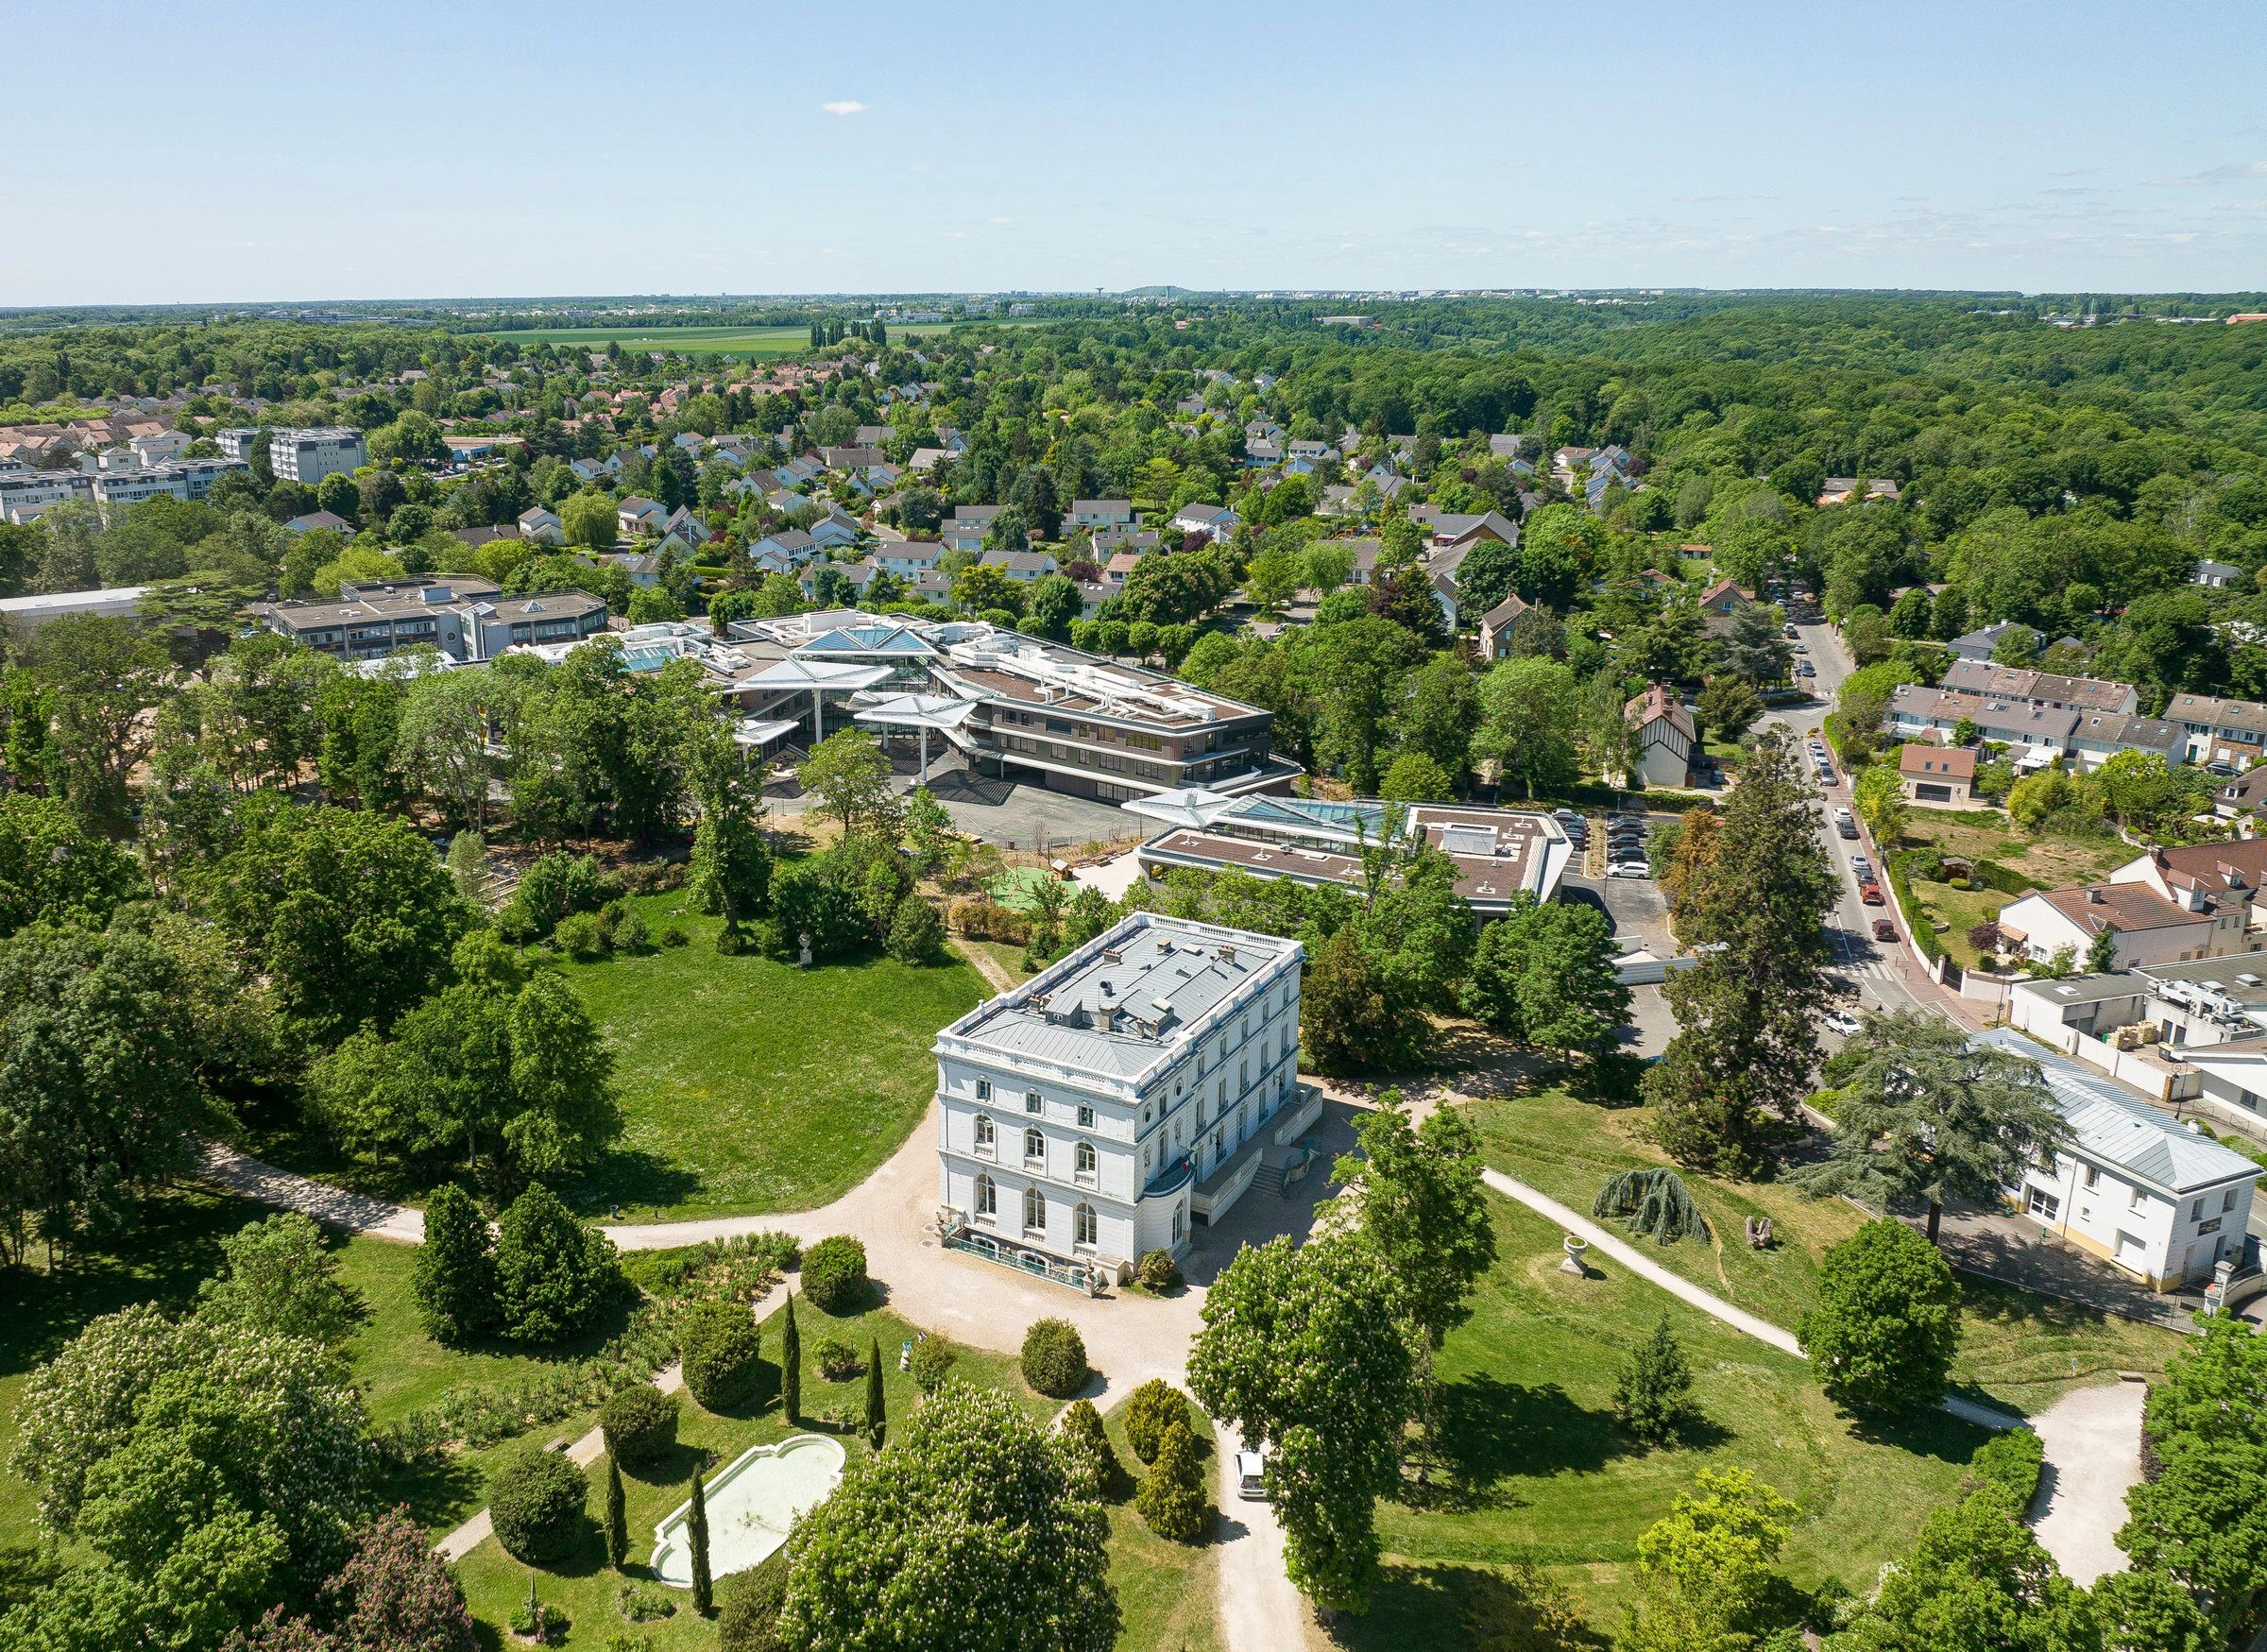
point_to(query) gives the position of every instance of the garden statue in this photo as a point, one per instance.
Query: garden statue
(803, 939)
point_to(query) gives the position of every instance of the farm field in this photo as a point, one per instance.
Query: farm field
(709, 341)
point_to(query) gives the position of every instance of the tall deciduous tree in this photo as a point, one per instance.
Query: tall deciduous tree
(1926, 1114)
(994, 1538)
(351, 914)
(1302, 1350)
(1529, 718)
(1745, 1045)
(850, 777)
(1546, 975)
(1884, 1330)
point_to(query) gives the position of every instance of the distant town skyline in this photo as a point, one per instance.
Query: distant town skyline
(260, 153)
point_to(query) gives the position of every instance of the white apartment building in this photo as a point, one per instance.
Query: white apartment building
(1092, 1113)
(2135, 1187)
(309, 456)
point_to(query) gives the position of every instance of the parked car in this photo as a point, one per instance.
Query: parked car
(1251, 1475)
(1629, 869)
(1884, 930)
(1841, 1021)
(1845, 822)
(1871, 895)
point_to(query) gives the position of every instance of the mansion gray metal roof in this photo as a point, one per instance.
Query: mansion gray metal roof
(1126, 1001)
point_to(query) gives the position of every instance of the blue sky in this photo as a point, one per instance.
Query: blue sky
(259, 151)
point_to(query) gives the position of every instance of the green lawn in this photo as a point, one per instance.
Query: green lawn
(2016, 1350)
(1963, 909)
(1166, 1591)
(1533, 1466)
(590, 1592)
(750, 1085)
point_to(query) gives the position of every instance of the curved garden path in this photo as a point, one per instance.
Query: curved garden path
(1131, 1338)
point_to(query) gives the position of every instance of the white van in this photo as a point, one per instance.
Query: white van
(1251, 1475)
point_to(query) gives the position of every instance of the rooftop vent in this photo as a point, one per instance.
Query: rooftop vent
(1112, 955)
(1227, 953)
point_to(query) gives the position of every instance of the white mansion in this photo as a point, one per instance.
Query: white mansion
(1084, 1111)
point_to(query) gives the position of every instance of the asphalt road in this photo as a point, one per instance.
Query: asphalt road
(1868, 966)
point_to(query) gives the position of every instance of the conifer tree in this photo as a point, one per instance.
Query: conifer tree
(877, 1421)
(617, 1517)
(696, 1532)
(791, 1363)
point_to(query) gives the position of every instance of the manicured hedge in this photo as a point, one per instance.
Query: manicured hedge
(641, 1424)
(1054, 1358)
(537, 1500)
(1153, 1406)
(834, 1275)
(720, 1350)
(2010, 1463)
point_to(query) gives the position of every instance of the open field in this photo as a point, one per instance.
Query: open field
(751, 1085)
(1984, 835)
(710, 341)
(2017, 1350)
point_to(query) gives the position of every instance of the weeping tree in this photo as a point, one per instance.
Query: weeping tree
(1655, 1202)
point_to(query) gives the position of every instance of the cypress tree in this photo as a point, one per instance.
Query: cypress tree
(791, 1363)
(878, 1422)
(696, 1531)
(617, 1520)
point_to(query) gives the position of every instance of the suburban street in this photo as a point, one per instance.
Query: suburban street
(1883, 974)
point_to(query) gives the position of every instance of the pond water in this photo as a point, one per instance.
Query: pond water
(751, 1505)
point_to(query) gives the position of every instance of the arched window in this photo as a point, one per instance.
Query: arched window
(1084, 1228)
(1034, 1145)
(1088, 1162)
(987, 1197)
(1035, 1211)
(986, 1139)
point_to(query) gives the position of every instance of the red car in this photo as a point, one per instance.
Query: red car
(1884, 930)
(1871, 895)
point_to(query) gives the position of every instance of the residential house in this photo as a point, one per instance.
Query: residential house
(1260, 455)
(2246, 795)
(541, 526)
(2166, 905)
(836, 528)
(1665, 737)
(1121, 564)
(2051, 689)
(1453, 528)
(907, 557)
(684, 525)
(785, 552)
(319, 519)
(924, 460)
(1720, 602)
(2100, 736)
(464, 618)
(1982, 643)
(638, 514)
(1504, 447)
(1020, 566)
(1098, 1111)
(1094, 514)
(476, 538)
(1838, 489)
(1216, 520)
(858, 577)
(1444, 592)
(2215, 575)
(2228, 733)
(1937, 777)
(1338, 501)
(1496, 627)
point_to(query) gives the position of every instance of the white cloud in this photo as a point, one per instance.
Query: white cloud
(845, 107)
(999, 220)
